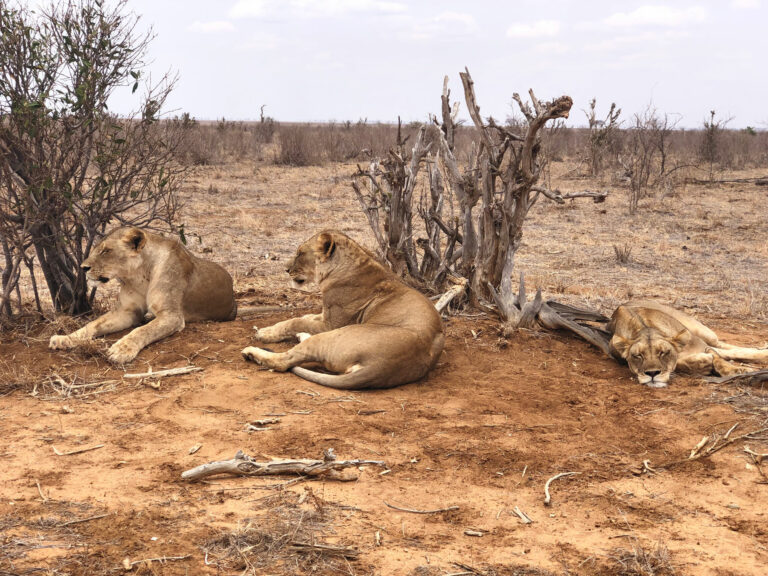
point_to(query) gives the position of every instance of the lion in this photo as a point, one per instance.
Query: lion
(158, 277)
(373, 331)
(656, 340)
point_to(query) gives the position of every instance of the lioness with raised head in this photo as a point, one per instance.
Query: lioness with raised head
(157, 276)
(373, 332)
(656, 340)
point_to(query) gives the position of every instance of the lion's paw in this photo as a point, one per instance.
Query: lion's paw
(122, 352)
(268, 334)
(252, 354)
(303, 336)
(61, 342)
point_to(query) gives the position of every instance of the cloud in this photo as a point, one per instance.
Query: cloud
(623, 43)
(312, 8)
(539, 29)
(553, 48)
(653, 15)
(211, 27)
(446, 25)
(467, 20)
(745, 3)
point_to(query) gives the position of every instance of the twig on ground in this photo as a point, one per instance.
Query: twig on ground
(81, 520)
(412, 511)
(469, 569)
(523, 516)
(343, 551)
(698, 447)
(40, 491)
(547, 497)
(264, 422)
(79, 451)
(161, 559)
(756, 455)
(162, 373)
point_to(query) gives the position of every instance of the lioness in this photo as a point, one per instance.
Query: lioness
(373, 332)
(655, 340)
(157, 276)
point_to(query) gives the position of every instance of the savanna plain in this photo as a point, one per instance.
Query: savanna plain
(92, 461)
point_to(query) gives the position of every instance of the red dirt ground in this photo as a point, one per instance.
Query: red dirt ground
(483, 432)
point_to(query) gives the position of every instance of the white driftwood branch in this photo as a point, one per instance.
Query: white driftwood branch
(454, 291)
(547, 497)
(243, 465)
(168, 372)
(522, 515)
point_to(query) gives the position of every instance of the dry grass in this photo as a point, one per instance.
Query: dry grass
(288, 537)
(623, 253)
(641, 561)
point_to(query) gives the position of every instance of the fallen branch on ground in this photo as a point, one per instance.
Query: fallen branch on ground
(698, 452)
(127, 564)
(523, 516)
(412, 511)
(557, 196)
(78, 451)
(243, 311)
(168, 372)
(81, 520)
(547, 497)
(326, 549)
(243, 465)
(756, 455)
(459, 288)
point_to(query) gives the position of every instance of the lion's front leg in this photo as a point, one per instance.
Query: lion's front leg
(280, 361)
(288, 329)
(129, 346)
(706, 363)
(109, 323)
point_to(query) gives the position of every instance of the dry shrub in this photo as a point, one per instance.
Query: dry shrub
(209, 143)
(640, 561)
(623, 253)
(271, 542)
(299, 146)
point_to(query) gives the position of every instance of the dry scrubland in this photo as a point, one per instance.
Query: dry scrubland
(483, 432)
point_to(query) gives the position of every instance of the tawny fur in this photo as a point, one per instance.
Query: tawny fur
(656, 340)
(159, 277)
(373, 331)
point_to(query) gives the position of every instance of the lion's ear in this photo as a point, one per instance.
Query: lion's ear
(681, 339)
(326, 246)
(621, 345)
(135, 239)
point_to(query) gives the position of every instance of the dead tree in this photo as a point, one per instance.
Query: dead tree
(602, 134)
(388, 201)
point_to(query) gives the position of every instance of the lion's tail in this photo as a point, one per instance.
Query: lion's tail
(356, 380)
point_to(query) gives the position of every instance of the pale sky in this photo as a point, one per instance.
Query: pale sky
(320, 60)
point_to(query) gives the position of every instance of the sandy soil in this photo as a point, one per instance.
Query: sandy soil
(483, 432)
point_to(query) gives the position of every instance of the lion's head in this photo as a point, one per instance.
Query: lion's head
(651, 356)
(118, 254)
(312, 259)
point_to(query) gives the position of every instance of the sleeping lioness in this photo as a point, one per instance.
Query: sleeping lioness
(656, 340)
(373, 332)
(157, 276)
